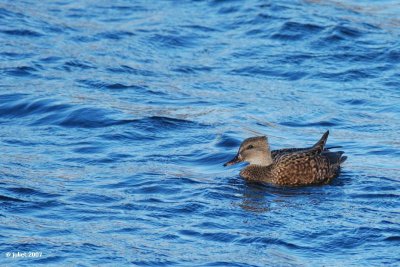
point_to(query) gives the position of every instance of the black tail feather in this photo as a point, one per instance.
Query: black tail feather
(334, 157)
(332, 147)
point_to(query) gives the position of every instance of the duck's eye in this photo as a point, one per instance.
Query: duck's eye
(250, 147)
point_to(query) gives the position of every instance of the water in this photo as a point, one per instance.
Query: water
(116, 117)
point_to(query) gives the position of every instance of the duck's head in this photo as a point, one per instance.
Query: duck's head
(254, 150)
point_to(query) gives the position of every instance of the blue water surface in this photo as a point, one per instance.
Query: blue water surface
(116, 117)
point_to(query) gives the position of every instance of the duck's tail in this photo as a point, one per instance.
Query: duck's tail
(319, 146)
(334, 158)
(332, 147)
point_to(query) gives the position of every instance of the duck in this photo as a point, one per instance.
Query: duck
(315, 165)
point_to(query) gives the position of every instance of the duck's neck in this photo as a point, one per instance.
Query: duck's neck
(265, 159)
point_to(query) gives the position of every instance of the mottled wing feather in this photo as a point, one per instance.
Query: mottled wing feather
(317, 148)
(280, 152)
(303, 168)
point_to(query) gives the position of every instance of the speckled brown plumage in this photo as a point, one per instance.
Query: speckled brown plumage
(290, 167)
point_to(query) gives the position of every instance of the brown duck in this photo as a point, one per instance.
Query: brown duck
(290, 166)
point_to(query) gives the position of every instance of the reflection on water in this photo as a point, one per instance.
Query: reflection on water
(259, 197)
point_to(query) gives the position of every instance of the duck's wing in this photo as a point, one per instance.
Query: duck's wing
(317, 148)
(287, 150)
(307, 167)
(282, 151)
(277, 154)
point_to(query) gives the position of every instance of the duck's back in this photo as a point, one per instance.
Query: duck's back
(318, 147)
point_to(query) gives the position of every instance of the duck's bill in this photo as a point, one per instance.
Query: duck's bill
(235, 160)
